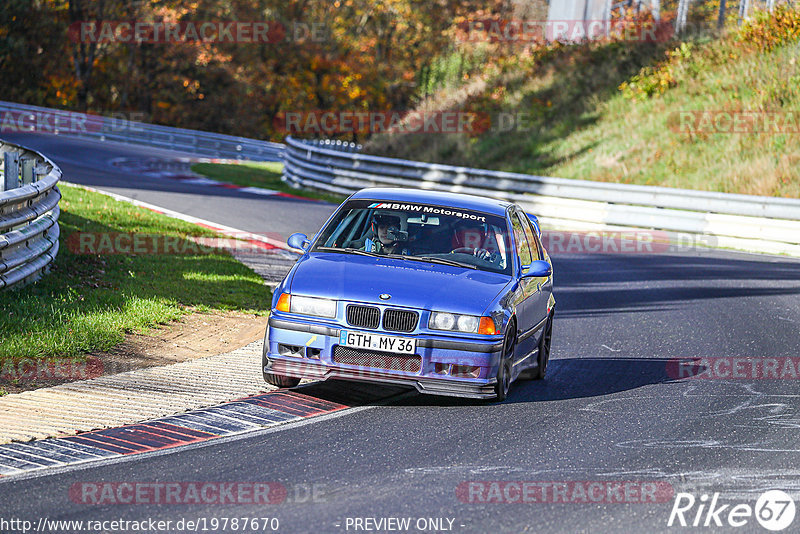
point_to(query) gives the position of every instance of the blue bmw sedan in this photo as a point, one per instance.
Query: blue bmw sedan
(451, 294)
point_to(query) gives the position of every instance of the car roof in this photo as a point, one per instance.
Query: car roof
(423, 196)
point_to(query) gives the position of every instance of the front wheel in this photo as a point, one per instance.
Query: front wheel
(271, 378)
(281, 381)
(503, 384)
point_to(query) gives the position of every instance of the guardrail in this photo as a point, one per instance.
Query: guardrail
(23, 118)
(745, 222)
(758, 224)
(28, 215)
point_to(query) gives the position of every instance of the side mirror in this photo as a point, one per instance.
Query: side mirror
(537, 269)
(298, 241)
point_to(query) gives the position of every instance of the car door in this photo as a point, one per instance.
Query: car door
(527, 315)
(544, 285)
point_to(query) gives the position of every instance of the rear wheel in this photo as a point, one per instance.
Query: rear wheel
(503, 384)
(544, 349)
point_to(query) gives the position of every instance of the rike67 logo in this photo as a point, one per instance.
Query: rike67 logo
(774, 510)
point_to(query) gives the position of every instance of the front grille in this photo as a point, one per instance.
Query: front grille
(363, 316)
(400, 320)
(377, 360)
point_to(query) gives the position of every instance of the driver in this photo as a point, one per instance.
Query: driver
(470, 237)
(391, 239)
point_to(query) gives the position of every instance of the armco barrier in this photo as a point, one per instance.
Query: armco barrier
(23, 118)
(28, 214)
(758, 224)
(753, 223)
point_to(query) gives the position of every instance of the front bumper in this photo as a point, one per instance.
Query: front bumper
(314, 344)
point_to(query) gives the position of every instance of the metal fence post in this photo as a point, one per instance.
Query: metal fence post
(39, 171)
(11, 173)
(28, 166)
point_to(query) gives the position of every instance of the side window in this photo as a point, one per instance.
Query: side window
(347, 230)
(530, 232)
(523, 246)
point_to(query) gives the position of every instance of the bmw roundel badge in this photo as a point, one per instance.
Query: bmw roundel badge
(385, 296)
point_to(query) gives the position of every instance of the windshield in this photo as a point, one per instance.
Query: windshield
(419, 232)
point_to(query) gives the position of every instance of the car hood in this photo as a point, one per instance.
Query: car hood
(410, 283)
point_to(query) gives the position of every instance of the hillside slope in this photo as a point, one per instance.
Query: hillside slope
(719, 113)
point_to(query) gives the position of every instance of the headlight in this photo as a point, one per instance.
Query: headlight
(308, 305)
(453, 322)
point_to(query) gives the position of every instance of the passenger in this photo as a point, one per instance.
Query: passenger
(391, 239)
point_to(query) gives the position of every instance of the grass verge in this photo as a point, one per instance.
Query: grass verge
(89, 302)
(265, 175)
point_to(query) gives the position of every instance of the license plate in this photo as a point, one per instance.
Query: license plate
(370, 340)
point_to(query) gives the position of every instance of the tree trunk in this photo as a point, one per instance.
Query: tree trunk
(683, 12)
(744, 9)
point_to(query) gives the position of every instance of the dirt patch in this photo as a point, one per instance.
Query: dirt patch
(194, 336)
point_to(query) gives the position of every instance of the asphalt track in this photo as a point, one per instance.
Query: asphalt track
(609, 410)
(89, 163)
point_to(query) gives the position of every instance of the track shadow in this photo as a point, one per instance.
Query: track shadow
(571, 378)
(353, 393)
(590, 285)
(687, 265)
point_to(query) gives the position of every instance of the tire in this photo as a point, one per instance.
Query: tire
(281, 381)
(271, 378)
(503, 385)
(544, 350)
